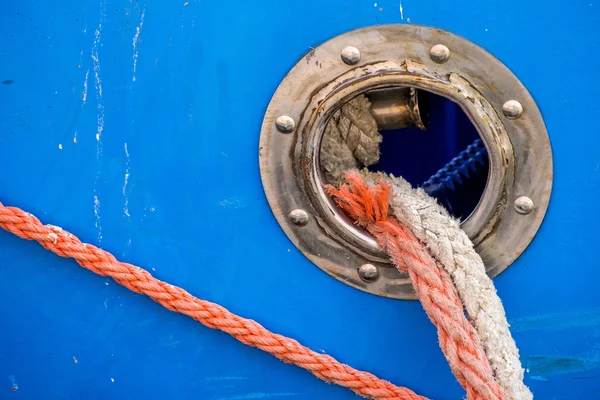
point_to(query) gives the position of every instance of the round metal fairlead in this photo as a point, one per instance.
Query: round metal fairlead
(404, 56)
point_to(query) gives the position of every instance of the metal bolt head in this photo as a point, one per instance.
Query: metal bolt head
(512, 109)
(439, 53)
(299, 217)
(350, 55)
(285, 124)
(524, 205)
(368, 272)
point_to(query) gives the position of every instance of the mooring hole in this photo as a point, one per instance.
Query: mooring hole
(425, 138)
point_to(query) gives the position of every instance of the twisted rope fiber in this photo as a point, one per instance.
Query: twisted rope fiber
(459, 168)
(442, 235)
(451, 246)
(368, 207)
(350, 140)
(174, 298)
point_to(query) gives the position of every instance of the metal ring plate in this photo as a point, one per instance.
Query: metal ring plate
(398, 55)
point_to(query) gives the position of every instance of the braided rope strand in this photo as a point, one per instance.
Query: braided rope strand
(368, 206)
(460, 167)
(451, 246)
(174, 298)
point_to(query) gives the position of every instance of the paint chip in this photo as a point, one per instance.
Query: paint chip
(13, 383)
(60, 146)
(186, 3)
(75, 360)
(112, 380)
(124, 190)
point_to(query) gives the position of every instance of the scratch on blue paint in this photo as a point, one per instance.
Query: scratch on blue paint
(539, 378)
(540, 366)
(13, 383)
(99, 115)
(171, 342)
(223, 378)
(126, 182)
(232, 202)
(259, 395)
(558, 321)
(138, 30)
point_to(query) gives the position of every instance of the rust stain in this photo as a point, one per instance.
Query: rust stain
(309, 56)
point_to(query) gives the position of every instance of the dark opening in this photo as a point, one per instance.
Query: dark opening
(418, 155)
(425, 138)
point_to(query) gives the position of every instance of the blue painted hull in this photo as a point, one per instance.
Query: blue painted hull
(135, 125)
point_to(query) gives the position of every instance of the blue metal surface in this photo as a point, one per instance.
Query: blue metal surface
(204, 73)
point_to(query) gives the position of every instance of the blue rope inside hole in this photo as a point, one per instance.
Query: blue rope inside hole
(457, 170)
(417, 156)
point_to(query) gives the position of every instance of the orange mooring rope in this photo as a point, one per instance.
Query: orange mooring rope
(214, 316)
(368, 206)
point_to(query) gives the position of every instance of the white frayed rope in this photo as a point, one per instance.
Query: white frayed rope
(451, 246)
(440, 232)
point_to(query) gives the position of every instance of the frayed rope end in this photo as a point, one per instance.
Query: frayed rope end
(363, 203)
